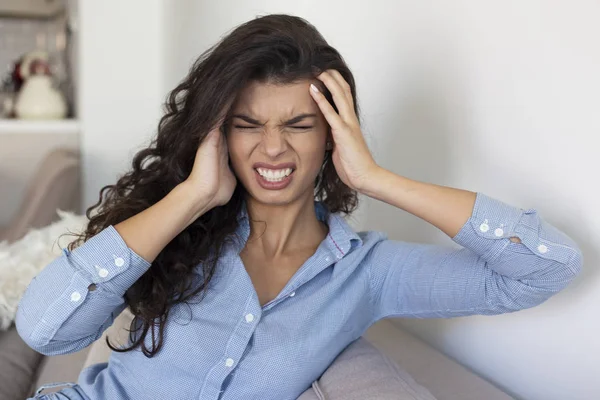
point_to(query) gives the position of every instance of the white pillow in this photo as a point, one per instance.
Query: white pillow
(23, 259)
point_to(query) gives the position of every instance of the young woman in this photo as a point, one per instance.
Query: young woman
(227, 242)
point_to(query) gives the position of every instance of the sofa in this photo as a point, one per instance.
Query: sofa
(386, 356)
(444, 378)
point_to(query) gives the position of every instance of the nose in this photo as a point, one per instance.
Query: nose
(274, 143)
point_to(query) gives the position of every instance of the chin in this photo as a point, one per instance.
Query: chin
(274, 198)
(289, 195)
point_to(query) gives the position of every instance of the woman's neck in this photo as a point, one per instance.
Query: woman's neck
(283, 230)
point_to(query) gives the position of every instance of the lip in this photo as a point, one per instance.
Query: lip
(265, 184)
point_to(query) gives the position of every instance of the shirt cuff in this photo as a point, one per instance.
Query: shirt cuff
(492, 223)
(109, 262)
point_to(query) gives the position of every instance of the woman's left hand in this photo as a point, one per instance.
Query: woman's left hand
(351, 156)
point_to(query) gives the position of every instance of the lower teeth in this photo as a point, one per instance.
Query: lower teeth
(274, 180)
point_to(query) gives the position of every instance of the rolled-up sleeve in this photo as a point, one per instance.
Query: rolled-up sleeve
(68, 305)
(490, 274)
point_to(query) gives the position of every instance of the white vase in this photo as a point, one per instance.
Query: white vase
(38, 99)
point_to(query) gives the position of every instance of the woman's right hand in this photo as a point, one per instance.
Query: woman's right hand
(211, 183)
(211, 178)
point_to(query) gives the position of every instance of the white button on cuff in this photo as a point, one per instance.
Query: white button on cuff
(103, 273)
(542, 248)
(484, 227)
(229, 362)
(292, 294)
(119, 262)
(327, 259)
(499, 232)
(75, 296)
(249, 317)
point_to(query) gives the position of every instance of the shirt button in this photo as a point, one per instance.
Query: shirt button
(542, 248)
(484, 227)
(119, 262)
(103, 273)
(292, 294)
(327, 258)
(249, 317)
(75, 296)
(339, 256)
(229, 362)
(499, 232)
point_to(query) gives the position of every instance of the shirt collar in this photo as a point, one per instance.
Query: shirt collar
(340, 240)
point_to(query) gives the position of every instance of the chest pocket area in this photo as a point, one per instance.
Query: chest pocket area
(348, 318)
(333, 334)
(335, 323)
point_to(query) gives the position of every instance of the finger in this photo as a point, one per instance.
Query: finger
(332, 117)
(344, 84)
(339, 97)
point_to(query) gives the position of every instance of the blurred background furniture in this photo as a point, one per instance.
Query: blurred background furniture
(55, 185)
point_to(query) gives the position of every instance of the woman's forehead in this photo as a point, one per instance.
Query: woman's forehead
(267, 100)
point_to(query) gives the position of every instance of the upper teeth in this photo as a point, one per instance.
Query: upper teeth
(274, 173)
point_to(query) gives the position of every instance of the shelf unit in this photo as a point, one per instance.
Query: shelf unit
(19, 126)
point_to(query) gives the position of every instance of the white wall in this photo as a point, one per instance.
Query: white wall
(494, 96)
(120, 73)
(499, 97)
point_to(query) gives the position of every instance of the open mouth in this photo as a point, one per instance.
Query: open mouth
(274, 175)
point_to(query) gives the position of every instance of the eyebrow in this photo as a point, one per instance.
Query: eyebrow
(291, 121)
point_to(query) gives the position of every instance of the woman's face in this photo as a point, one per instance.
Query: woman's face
(276, 139)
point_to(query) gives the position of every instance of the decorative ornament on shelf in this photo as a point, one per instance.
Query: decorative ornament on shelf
(37, 97)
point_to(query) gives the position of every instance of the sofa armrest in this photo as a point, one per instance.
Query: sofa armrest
(18, 365)
(445, 378)
(62, 368)
(3, 233)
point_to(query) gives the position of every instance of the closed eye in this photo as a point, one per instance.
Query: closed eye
(256, 127)
(245, 127)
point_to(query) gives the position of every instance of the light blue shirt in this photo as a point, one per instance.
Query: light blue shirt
(229, 347)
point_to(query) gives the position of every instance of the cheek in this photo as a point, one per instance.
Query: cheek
(312, 158)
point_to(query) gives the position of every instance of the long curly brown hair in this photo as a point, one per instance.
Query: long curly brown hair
(272, 48)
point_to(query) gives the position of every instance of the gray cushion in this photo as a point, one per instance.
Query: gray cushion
(61, 368)
(18, 365)
(361, 372)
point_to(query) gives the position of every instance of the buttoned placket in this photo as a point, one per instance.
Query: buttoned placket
(249, 319)
(213, 384)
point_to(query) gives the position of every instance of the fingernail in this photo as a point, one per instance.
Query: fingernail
(314, 88)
